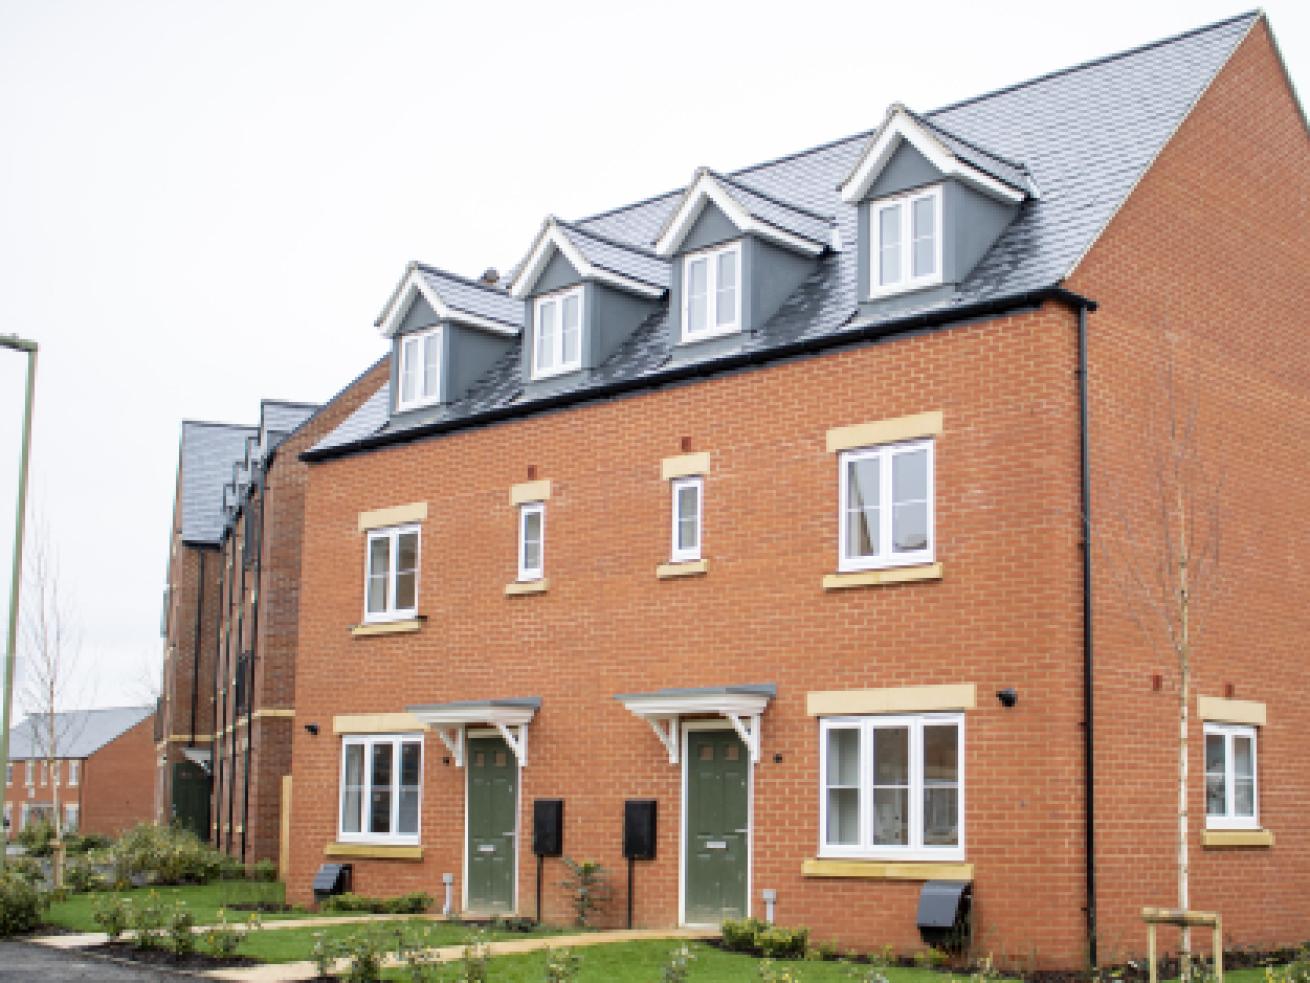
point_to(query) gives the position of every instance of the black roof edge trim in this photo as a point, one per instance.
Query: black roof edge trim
(715, 366)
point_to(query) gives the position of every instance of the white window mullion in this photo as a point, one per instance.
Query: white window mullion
(395, 786)
(916, 785)
(866, 786)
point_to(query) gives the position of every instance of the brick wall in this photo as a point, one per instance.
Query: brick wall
(118, 781)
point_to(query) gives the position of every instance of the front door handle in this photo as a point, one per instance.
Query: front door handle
(744, 831)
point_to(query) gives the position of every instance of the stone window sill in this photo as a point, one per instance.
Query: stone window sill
(888, 870)
(378, 851)
(387, 627)
(521, 587)
(687, 568)
(888, 575)
(1237, 837)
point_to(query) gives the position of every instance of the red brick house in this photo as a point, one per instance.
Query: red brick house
(797, 501)
(103, 776)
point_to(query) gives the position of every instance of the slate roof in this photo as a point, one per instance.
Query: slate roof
(633, 260)
(1084, 135)
(471, 297)
(208, 452)
(78, 733)
(771, 209)
(1011, 173)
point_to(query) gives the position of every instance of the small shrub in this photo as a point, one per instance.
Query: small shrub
(770, 972)
(474, 967)
(364, 952)
(181, 921)
(222, 940)
(930, 958)
(81, 877)
(416, 953)
(739, 934)
(21, 904)
(562, 965)
(263, 870)
(113, 915)
(28, 868)
(36, 838)
(147, 919)
(167, 855)
(775, 942)
(323, 953)
(414, 903)
(587, 888)
(678, 968)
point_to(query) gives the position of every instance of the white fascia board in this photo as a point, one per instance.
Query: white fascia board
(550, 237)
(707, 189)
(726, 705)
(416, 284)
(900, 127)
(477, 713)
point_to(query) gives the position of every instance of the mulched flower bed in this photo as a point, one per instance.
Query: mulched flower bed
(165, 958)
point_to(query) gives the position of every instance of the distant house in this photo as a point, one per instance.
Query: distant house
(103, 770)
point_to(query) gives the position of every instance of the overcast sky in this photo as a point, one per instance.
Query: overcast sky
(203, 204)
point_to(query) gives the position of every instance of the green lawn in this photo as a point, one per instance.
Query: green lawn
(285, 945)
(642, 962)
(204, 900)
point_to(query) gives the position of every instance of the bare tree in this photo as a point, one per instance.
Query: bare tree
(1170, 565)
(51, 674)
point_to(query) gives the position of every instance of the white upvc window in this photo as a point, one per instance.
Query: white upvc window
(391, 574)
(905, 239)
(28, 772)
(1231, 800)
(886, 506)
(688, 505)
(420, 369)
(54, 775)
(74, 772)
(381, 784)
(532, 540)
(711, 293)
(71, 813)
(892, 787)
(45, 773)
(557, 325)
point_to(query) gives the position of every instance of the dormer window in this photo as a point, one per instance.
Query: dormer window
(711, 293)
(906, 232)
(557, 323)
(420, 359)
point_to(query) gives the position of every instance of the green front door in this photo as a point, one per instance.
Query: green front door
(492, 824)
(718, 826)
(191, 798)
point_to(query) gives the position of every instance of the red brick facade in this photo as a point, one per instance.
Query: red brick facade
(1212, 248)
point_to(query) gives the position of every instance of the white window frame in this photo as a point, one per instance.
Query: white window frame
(393, 534)
(29, 773)
(679, 554)
(55, 771)
(9, 774)
(1230, 819)
(886, 557)
(368, 742)
(915, 850)
(73, 810)
(74, 773)
(712, 329)
(908, 280)
(421, 398)
(557, 365)
(527, 573)
(45, 773)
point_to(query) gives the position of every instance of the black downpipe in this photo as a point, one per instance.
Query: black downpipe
(236, 709)
(216, 706)
(1089, 742)
(195, 650)
(250, 663)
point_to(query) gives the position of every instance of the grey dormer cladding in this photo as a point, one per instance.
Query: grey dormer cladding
(1085, 135)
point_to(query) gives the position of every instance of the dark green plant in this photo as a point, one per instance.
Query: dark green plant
(263, 870)
(739, 934)
(181, 921)
(930, 958)
(81, 876)
(36, 838)
(21, 904)
(28, 868)
(587, 888)
(775, 942)
(562, 965)
(113, 914)
(414, 903)
(167, 855)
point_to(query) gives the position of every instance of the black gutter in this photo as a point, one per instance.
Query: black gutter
(727, 363)
(1089, 742)
(195, 650)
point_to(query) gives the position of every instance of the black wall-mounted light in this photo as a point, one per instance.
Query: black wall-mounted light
(312, 728)
(1008, 696)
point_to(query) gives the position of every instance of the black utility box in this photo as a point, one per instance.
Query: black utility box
(548, 827)
(944, 914)
(331, 879)
(639, 829)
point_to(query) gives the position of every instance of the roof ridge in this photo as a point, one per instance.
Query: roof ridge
(286, 402)
(773, 198)
(218, 423)
(600, 237)
(467, 281)
(1101, 60)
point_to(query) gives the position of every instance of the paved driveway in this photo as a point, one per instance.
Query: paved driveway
(22, 961)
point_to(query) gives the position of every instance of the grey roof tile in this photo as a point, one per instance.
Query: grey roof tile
(471, 297)
(1084, 135)
(208, 453)
(78, 733)
(768, 207)
(629, 259)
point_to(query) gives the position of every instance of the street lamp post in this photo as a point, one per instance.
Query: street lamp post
(11, 647)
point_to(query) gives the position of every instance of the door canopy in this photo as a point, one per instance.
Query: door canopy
(741, 706)
(510, 717)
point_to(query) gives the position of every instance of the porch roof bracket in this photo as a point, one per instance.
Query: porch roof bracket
(453, 738)
(518, 744)
(663, 710)
(666, 729)
(510, 717)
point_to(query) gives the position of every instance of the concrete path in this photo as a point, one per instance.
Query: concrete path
(290, 972)
(23, 962)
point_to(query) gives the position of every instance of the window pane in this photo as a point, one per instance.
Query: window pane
(406, 570)
(891, 816)
(532, 540)
(1214, 775)
(546, 335)
(925, 235)
(889, 245)
(410, 779)
(910, 501)
(379, 555)
(941, 777)
(844, 756)
(379, 800)
(688, 533)
(353, 788)
(843, 817)
(408, 368)
(431, 350)
(941, 816)
(862, 501)
(572, 328)
(891, 756)
(1243, 776)
(725, 301)
(697, 295)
